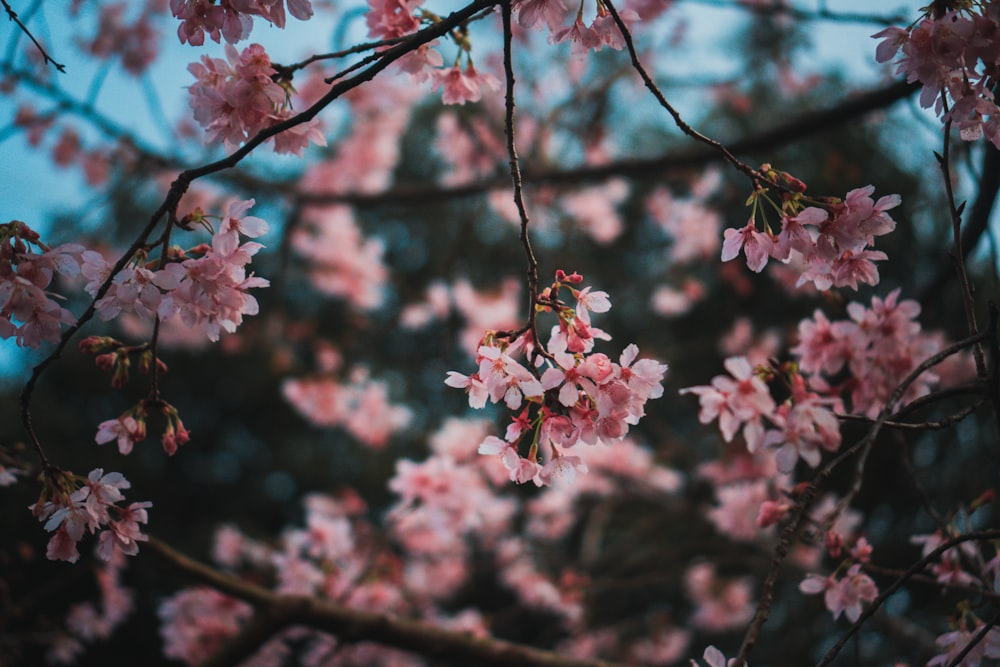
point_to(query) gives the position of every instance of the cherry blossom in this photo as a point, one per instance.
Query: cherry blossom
(844, 595)
(740, 400)
(196, 621)
(92, 507)
(599, 399)
(236, 98)
(955, 642)
(232, 19)
(830, 244)
(28, 311)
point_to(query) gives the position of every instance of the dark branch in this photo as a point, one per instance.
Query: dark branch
(48, 59)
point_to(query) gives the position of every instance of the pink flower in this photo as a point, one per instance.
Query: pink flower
(88, 509)
(713, 657)
(124, 533)
(550, 12)
(457, 87)
(582, 38)
(844, 595)
(755, 245)
(126, 430)
(387, 19)
(742, 399)
(197, 621)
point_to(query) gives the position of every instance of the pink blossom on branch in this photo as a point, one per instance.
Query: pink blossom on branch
(830, 244)
(232, 19)
(90, 508)
(573, 395)
(29, 312)
(844, 595)
(236, 98)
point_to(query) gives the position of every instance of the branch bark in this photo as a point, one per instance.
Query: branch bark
(355, 625)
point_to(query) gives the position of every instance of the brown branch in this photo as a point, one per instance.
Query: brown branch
(955, 586)
(822, 14)
(515, 177)
(798, 128)
(638, 168)
(355, 625)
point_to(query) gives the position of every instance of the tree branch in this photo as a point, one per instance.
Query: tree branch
(355, 625)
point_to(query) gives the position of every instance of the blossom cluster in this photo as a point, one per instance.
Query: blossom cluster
(209, 292)
(235, 98)
(391, 19)
(830, 245)
(232, 19)
(29, 312)
(573, 395)
(952, 55)
(360, 405)
(90, 508)
(800, 427)
(878, 346)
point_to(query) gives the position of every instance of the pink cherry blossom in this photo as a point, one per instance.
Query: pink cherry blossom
(755, 245)
(457, 87)
(126, 430)
(844, 595)
(742, 399)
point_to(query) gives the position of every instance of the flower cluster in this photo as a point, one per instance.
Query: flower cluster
(232, 19)
(879, 346)
(70, 511)
(209, 292)
(957, 55)
(574, 395)
(360, 405)
(460, 86)
(830, 244)
(799, 428)
(197, 621)
(236, 98)
(28, 311)
(602, 30)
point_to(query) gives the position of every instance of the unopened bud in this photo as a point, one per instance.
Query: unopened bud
(95, 344)
(106, 362)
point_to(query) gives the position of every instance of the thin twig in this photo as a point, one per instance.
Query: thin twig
(979, 535)
(755, 175)
(48, 59)
(944, 161)
(515, 175)
(930, 425)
